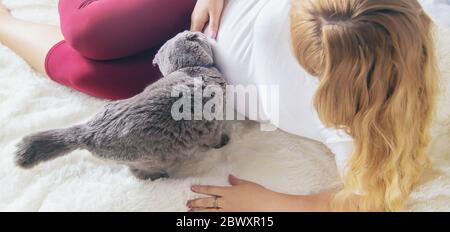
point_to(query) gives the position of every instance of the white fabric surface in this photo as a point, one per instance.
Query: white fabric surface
(79, 182)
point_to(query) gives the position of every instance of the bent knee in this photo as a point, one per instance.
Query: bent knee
(99, 79)
(93, 84)
(85, 38)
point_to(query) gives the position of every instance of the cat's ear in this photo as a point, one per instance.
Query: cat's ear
(192, 36)
(156, 60)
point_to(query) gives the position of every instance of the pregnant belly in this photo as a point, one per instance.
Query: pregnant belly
(253, 50)
(233, 49)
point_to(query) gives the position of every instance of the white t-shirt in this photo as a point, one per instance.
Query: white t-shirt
(254, 48)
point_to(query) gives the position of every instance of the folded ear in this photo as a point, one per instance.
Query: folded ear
(156, 60)
(193, 36)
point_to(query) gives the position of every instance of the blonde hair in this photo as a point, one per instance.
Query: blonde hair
(378, 81)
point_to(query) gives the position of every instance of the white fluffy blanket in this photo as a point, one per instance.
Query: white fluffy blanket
(78, 182)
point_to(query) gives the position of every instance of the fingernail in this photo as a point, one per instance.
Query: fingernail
(193, 188)
(213, 34)
(188, 203)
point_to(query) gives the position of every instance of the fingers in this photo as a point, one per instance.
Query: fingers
(209, 202)
(214, 22)
(205, 210)
(236, 181)
(199, 22)
(209, 190)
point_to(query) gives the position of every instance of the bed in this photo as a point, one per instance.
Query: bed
(78, 182)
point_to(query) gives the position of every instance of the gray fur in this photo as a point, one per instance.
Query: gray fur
(140, 132)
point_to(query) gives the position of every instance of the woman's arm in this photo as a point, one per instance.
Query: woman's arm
(246, 196)
(207, 11)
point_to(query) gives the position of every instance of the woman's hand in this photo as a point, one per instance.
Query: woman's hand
(242, 196)
(207, 11)
(246, 196)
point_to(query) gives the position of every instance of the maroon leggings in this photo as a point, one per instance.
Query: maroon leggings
(109, 44)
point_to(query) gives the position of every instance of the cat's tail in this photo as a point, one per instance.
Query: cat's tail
(48, 145)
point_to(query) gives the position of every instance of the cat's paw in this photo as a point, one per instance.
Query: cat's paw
(146, 175)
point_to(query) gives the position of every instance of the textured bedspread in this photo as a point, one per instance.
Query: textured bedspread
(78, 182)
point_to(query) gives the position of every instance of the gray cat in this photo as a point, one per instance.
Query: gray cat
(140, 132)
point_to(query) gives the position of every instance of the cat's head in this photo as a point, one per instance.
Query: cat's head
(187, 49)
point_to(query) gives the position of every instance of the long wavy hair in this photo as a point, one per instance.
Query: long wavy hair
(378, 80)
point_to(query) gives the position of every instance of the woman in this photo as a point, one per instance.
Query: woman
(368, 66)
